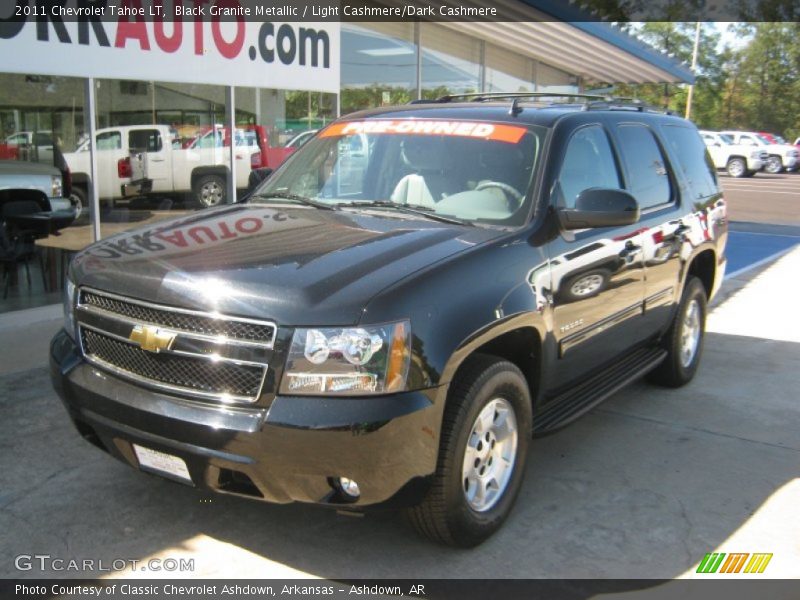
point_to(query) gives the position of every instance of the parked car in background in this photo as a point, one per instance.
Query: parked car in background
(202, 170)
(254, 137)
(34, 146)
(773, 138)
(111, 144)
(23, 179)
(137, 160)
(782, 157)
(737, 160)
(301, 138)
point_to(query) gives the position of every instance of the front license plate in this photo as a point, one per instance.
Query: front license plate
(162, 463)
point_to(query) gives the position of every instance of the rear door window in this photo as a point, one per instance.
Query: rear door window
(645, 165)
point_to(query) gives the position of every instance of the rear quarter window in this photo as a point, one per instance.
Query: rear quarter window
(693, 160)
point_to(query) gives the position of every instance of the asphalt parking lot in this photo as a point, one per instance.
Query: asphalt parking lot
(764, 198)
(642, 487)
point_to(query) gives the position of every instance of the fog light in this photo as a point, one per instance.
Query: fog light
(349, 487)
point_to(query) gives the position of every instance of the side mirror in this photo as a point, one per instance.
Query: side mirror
(600, 207)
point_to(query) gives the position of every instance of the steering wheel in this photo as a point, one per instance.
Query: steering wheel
(509, 190)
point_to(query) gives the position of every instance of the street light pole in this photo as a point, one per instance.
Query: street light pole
(694, 67)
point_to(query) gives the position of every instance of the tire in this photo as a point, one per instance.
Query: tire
(79, 199)
(210, 190)
(736, 167)
(585, 285)
(488, 386)
(678, 368)
(774, 164)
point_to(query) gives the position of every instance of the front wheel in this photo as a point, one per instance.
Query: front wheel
(484, 446)
(737, 167)
(684, 340)
(774, 165)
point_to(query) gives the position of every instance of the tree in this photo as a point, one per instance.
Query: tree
(763, 90)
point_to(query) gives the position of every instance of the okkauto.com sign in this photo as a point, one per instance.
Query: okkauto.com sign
(223, 42)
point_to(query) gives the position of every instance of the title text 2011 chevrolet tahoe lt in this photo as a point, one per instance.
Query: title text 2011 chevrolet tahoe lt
(389, 327)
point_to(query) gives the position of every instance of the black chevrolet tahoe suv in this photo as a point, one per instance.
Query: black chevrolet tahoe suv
(399, 308)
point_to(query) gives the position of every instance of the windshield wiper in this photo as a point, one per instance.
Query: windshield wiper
(414, 209)
(297, 198)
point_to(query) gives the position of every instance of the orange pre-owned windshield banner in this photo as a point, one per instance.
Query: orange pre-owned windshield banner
(510, 134)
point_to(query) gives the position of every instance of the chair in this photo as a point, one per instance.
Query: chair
(431, 178)
(17, 244)
(13, 250)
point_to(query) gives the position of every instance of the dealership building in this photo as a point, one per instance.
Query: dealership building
(61, 81)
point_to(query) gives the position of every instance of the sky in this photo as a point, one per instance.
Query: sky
(728, 37)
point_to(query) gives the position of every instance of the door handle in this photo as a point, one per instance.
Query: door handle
(157, 160)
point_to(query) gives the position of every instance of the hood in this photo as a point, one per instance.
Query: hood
(783, 149)
(296, 266)
(22, 167)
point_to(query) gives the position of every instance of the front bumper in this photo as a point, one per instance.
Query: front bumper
(755, 164)
(790, 163)
(291, 451)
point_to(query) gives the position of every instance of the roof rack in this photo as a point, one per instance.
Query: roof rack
(586, 101)
(481, 96)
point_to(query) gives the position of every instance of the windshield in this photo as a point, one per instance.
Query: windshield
(763, 140)
(728, 139)
(475, 171)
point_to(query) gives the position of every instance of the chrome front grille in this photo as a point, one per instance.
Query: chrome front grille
(197, 374)
(188, 321)
(198, 354)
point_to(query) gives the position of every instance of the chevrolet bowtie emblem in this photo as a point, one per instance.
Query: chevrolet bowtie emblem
(152, 339)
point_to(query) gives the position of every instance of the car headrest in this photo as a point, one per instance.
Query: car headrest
(502, 156)
(423, 153)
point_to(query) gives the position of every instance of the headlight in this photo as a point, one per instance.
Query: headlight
(69, 308)
(792, 153)
(58, 189)
(348, 361)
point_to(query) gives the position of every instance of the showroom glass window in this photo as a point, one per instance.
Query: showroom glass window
(41, 125)
(507, 71)
(451, 62)
(379, 65)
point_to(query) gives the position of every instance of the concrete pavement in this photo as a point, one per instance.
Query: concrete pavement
(642, 487)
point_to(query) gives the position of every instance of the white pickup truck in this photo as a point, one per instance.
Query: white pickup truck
(782, 157)
(138, 160)
(202, 169)
(24, 181)
(738, 160)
